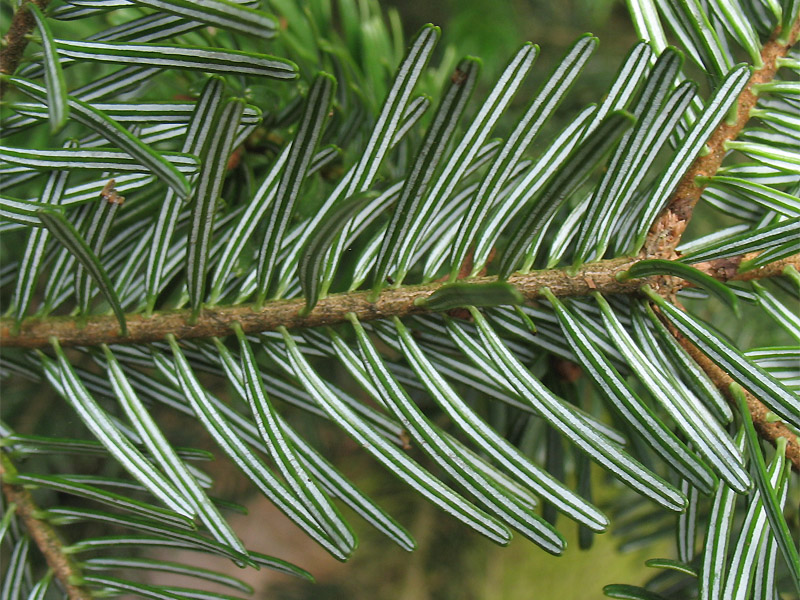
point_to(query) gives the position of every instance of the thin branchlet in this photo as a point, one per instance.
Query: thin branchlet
(399, 302)
(768, 428)
(16, 39)
(46, 538)
(667, 230)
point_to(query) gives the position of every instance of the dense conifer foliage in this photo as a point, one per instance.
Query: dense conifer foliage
(248, 220)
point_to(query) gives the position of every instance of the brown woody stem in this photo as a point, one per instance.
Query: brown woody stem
(767, 428)
(16, 40)
(665, 234)
(399, 302)
(44, 536)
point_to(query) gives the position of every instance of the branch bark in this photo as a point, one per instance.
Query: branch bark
(399, 302)
(767, 428)
(665, 234)
(16, 40)
(727, 269)
(44, 536)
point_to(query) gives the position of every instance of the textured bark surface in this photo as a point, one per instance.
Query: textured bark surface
(16, 40)
(90, 331)
(665, 234)
(43, 535)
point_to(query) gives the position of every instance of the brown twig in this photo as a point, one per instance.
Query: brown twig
(16, 40)
(727, 269)
(768, 429)
(36, 333)
(104, 329)
(666, 232)
(44, 536)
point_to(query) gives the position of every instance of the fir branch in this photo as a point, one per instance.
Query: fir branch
(43, 534)
(767, 428)
(665, 233)
(16, 39)
(661, 242)
(726, 269)
(91, 331)
(398, 302)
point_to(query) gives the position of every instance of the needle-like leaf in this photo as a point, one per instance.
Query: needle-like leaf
(68, 236)
(544, 104)
(98, 121)
(250, 464)
(489, 441)
(656, 266)
(100, 160)
(102, 563)
(431, 152)
(14, 576)
(747, 374)
(710, 439)
(639, 416)
(230, 16)
(657, 111)
(208, 60)
(461, 294)
(30, 266)
(284, 455)
(62, 485)
(399, 463)
(527, 236)
(304, 144)
(67, 383)
(741, 568)
(57, 107)
(209, 187)
(564, 420)
(197, 133)
(314, 256)
(718, 105)
(767, 490)
(474, 140)
(449, 455)
(166, 456)
(383, 134)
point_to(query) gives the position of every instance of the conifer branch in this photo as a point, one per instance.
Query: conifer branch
(83, 329)
(44, 536)
(217, 321)
(666, 232)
